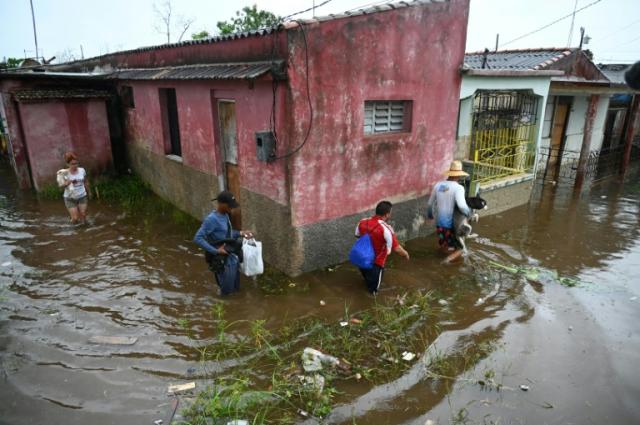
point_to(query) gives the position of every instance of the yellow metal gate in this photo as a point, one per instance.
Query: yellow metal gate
(503, 134)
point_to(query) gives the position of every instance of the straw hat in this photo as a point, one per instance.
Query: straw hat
(455, 170)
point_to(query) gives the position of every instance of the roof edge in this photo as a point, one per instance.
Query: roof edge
(529, 50)
(512, 73)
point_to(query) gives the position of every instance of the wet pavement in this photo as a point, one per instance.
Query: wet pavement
(575, 348)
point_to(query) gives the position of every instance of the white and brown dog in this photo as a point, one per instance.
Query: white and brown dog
(461, 226)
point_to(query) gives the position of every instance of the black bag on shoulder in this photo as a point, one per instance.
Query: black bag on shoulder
(216, 262)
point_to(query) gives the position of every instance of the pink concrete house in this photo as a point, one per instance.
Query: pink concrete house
(46, 120)
(310, 124)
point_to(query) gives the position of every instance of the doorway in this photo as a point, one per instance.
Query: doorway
(229, 151)
(558, 136)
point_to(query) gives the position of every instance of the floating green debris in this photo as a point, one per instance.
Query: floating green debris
(537, 274)
(269, 383)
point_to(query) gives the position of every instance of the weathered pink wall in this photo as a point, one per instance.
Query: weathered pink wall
(408, 54)
(53, 128)
(17, 148)
(199, 134)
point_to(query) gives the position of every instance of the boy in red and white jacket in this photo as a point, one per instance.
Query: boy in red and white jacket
(383, 240)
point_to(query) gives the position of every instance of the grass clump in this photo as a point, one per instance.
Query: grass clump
(50, 192)
(267, 383)
(129, 192)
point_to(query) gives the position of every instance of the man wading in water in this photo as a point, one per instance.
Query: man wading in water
(383, 240)
(446, 195)
(219, 240)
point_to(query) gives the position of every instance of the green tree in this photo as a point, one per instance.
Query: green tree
(200, 35)
(247, 19)
(11, 62)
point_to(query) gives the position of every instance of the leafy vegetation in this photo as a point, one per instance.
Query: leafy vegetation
(248, 19)
(267, 384)
(11, 63)
(131, 194)
(200, 35)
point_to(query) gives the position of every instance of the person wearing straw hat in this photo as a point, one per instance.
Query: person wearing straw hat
(445, 196)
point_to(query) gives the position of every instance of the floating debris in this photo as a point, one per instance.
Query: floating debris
(633, 298)
(158, 422)
(238, 422)
(323, 303)
(535, 274)
(408, 356)
(316, 382)
(173, 389)
(443, 302)
(113, 340)
(355, 321)
(314, 360)
(6, 264)
(570, 328)
(343, 324)
(524, 387)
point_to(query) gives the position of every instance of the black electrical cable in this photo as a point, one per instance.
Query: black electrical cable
(306, 10)
(551, 23)
(306, 137)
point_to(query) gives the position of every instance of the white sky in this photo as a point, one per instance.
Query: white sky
(102, 26)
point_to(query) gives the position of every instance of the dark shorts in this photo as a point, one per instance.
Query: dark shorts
(373, 278)
(74, 203)
(447, 238)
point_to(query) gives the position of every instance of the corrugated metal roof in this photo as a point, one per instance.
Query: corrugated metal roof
(615, 72)
(218, 71)
(366, 11)
(266, 31)
(530, 59)
(38, 95)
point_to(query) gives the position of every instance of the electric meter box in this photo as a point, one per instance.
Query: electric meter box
(266, 146)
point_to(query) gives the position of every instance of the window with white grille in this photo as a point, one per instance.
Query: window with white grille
(387, 116)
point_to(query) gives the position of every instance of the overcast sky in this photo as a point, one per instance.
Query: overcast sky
(110, 25)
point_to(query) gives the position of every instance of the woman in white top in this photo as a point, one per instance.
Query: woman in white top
(76, 188)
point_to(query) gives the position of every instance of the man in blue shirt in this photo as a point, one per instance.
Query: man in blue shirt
(217, 238)
(445, 197)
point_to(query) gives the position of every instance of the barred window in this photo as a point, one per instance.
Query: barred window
(387, 116)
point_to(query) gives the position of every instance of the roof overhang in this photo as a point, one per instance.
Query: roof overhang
(575, 85)
(48, 75)
(216, 71)
(42, 95)
(511, 73)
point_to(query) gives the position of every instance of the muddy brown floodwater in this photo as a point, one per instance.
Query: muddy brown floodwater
(576, 348)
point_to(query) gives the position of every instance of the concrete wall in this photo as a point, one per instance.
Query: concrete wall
(197, 116)
(18, 155)
(190, 182)
(390, 58)
(54, 127)
(341, 174)
(507, 195)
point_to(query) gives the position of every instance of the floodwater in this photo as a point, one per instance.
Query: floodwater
(577, 349)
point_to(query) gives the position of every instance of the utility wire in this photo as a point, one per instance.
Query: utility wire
(551, 23)
(306, 10)
(306, 59)
(617, 31)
